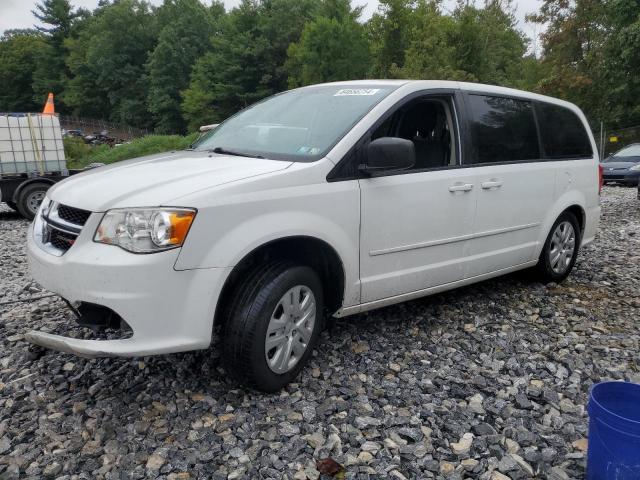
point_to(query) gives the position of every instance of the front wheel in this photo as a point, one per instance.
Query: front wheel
(272, 325)
(560, 250)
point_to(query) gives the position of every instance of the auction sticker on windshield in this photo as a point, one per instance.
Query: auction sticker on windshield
(356, 91)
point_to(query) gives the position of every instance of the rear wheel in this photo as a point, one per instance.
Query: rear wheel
(272, 325)
(560, 250)
(30, 199)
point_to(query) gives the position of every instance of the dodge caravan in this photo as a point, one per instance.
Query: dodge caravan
(332, 199)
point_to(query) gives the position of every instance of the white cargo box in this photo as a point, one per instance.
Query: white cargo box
(30, 143)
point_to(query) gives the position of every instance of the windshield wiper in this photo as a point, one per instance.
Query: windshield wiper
(224, 151)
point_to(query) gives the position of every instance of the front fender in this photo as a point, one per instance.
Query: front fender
(224, 234)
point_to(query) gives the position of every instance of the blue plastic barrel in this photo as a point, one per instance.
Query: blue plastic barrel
(614, 432)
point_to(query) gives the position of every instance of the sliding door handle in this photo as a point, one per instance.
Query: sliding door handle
(461, 187)
(492, 184)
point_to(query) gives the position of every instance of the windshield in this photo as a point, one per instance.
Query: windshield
(299, 125)
(627, 153)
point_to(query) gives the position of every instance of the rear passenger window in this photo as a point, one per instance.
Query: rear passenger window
(502, 129)
(563, 133)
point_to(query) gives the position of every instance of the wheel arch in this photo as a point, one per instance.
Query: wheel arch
(302, 249)
(572, 201)
(580, 215)
(26, 183)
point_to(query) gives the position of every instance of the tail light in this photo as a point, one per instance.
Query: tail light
(600, 179)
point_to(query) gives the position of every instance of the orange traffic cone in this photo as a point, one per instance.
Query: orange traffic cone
(48, 107)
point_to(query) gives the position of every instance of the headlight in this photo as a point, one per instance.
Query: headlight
(145, 230)
(635, 167)
(45, 205)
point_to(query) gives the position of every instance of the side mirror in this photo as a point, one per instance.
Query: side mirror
(207, 128)
(389, 153)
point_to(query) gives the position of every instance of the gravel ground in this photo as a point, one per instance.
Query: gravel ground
(487, 382)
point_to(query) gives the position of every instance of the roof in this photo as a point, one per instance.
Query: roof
(449, 84)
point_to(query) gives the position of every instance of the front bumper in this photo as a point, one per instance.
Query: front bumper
(168, 310)
(626, 178)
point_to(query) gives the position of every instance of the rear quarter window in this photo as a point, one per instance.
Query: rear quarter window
(563, 133)
(502, 129)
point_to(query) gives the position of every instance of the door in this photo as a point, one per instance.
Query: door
(414, 229)
(415, 224)
(515, 187)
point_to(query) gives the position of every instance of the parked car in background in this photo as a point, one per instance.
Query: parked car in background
(623, 167)
(71, 133)
(331, 199)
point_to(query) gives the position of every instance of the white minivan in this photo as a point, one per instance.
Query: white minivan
(326, 200)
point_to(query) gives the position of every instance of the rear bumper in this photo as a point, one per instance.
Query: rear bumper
(592, 221)
(168, 310)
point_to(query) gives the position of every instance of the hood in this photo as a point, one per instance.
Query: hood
(617, 164)
(157, 179)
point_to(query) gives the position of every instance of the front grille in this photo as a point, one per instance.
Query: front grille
(73, 215)
(61, 240)
(59, 227)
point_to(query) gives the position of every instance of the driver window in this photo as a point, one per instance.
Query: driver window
(428, 123)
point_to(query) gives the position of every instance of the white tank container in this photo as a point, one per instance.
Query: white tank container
(30, 143)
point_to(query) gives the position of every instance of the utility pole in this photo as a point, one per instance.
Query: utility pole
(601, 139)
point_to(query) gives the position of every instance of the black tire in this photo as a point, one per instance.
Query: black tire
(247, 319)
(12, 205)
(544, 270)
(25, 204)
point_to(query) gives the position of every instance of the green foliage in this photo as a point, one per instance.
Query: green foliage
(18, 59)
(50, 71)
(107, 63)
(79, 156)
(183, 40)
(389, 32)
(184, 63)
(591, 56)
(474, 44)
(321, 56)
(432, 53)
(75, 150)
(246, 59)
(573, 49)
(58, 14)
(621, 65)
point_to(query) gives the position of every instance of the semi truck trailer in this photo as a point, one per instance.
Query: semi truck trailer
(31, 159)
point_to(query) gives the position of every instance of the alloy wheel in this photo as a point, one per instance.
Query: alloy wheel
(562, 247)
(290, 329)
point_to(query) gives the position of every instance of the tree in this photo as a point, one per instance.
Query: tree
(321, 56)
(432, 53)
(19, 51)
(183, 39)
(574, 46)
(107, 63)
(50, 71)
(389, 31)
(245, 61)
(622, 63)
(488, 44)
(474, 44)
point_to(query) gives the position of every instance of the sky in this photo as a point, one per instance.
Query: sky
(17, 13)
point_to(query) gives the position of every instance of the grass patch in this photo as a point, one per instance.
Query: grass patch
(80, 155)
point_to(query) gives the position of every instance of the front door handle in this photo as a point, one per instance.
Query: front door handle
(492, 184)
(461, 187)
